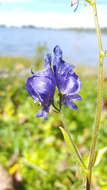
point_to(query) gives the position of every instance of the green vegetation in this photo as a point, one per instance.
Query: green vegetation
(35, 148)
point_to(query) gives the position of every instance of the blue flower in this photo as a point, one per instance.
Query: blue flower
(41, 86)
(67, 80)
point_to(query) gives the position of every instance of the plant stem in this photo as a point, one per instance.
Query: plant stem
(88, 184)
(99, 98)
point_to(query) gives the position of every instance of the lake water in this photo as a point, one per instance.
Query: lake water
(78, 47)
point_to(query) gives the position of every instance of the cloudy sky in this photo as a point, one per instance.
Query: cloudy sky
(50, 13)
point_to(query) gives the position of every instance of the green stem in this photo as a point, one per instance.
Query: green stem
(88, 184)
(100, 90)
(99, 97)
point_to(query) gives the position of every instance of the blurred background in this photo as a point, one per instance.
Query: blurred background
(33, 154)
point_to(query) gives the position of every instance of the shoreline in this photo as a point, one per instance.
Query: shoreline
(77, 29)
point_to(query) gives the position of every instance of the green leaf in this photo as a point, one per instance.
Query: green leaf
(73, 149)
(100, 155)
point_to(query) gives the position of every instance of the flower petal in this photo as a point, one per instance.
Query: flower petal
(59, 65)
(30, 89)
(72, 85)
(42, 113)
(75, 97)
(48, 60)
(67, 80)
(67, 101)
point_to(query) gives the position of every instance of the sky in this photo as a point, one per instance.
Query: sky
(50, 13)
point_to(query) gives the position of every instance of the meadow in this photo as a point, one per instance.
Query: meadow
(32, 150)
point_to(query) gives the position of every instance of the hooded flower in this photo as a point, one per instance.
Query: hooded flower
(67, 81)
(41, 86)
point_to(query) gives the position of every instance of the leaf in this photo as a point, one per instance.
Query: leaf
(100, 155)
(73, 149)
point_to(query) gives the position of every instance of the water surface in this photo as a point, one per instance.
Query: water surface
(78, 46)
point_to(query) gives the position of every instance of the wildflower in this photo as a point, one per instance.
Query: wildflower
(67, 81)
(41, 86)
